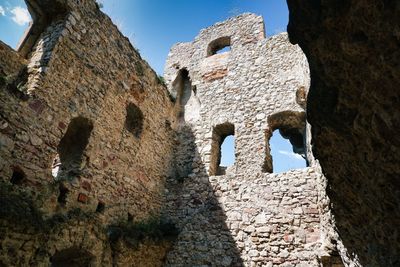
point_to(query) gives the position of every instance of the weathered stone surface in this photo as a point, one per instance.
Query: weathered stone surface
(81, 75)
(262, 79)
(11, 62)
(248, 216)
(92, 144)
(353, 106)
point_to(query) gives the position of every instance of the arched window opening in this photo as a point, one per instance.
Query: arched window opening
(221, 133)
(285, 154)
(286, 147)
(187, 105)
(18, 176)
(72, 257)
(72, 146)
(134, 120)
(218, 46)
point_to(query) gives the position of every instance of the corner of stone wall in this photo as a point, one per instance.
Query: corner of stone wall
(11, 62)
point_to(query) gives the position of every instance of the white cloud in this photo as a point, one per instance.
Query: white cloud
(20, 15)
(2, 11)
(290, 154)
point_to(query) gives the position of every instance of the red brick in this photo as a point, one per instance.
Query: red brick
(83, 198)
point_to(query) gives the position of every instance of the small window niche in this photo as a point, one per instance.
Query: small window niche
(219, 46)
(222, 149)
(134, 120)
(18, 176)
(285, 142)
(69, 161)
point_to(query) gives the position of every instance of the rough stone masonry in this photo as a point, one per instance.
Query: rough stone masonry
(103, 165)
(244, 214)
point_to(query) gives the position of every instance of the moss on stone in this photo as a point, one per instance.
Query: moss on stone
(161, 80)
(139, 68)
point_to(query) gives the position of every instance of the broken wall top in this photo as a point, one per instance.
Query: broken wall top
(258, 77)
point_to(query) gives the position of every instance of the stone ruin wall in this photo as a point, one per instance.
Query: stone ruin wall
(84, 80)
(79, 82)
(248, 215)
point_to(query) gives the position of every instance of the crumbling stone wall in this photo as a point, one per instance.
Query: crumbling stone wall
(242, 86)
(69, 142)
(92, 145)
(246, 216)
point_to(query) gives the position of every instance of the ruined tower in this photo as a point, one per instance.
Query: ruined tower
(103, 165)
(245, 214)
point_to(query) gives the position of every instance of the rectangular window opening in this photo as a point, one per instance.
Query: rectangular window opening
(222, 149)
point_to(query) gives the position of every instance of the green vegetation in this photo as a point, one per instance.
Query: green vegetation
(161, 80)
(139, 68)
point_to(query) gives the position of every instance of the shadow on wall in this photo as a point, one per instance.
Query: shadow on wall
(188, 104)
(353, 108)
(67, 235)
(191, 203)
(72, 257)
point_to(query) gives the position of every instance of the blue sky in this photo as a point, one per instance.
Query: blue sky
(283, 158)
(14, 20)
(153, 26)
